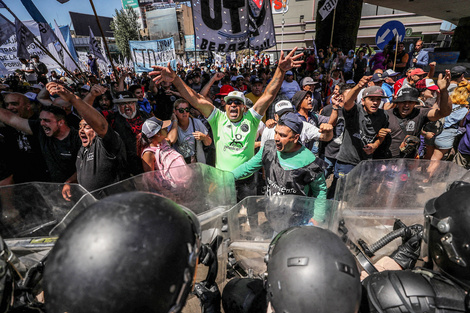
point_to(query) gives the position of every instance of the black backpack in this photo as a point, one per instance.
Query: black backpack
(41, 68)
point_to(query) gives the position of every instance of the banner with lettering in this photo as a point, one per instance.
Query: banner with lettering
(229, 26)
(9, 61)
(152, 52)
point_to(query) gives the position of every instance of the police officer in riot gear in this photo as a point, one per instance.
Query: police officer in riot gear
(130, 252)
(447, 234)
(309, 270)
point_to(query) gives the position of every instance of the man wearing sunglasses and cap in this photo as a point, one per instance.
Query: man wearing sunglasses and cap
(235, 130)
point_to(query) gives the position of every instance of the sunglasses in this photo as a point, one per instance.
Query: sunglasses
(184, 110)
(237, 102)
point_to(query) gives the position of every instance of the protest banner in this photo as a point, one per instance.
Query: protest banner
(229, 26)
(8, 52)
(152, 52)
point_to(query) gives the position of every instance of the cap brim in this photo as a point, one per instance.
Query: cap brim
(433, 87)
(285, 110)
(234, 97)
(405, 99)
(125, 100)
(368, 96)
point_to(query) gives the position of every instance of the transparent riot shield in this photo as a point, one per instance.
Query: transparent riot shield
(378, 192)
(255, 221)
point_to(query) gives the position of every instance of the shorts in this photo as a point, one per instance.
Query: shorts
(445, 140)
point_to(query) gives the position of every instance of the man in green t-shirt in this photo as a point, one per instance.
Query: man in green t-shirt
(234, 131)
(290, 168)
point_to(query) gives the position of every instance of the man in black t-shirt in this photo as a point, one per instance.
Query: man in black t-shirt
(101, 159)
(59, 143)
(23, 152)
(365, 127)
(405, 119)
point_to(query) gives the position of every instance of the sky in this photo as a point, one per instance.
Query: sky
(53, 10)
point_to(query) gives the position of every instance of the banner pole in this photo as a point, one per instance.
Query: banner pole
(333, 26)
(104, 39)
(396, 51)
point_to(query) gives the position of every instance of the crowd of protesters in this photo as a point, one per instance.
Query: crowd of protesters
(280, 127)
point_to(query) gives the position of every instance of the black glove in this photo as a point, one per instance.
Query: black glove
(407, 253)
(210, 297)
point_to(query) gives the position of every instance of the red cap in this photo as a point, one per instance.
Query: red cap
(225, 90)
(418, 71)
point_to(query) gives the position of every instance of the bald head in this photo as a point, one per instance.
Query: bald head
(19, 104)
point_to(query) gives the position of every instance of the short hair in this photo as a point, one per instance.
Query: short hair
(133, 88)
(179, 101)
(22, 96)
(59, 113)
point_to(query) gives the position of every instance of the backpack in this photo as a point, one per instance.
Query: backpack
(41, 68)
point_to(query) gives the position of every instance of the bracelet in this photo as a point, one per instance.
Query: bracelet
(336, 109)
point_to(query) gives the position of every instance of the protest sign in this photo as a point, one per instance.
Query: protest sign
(152, 52)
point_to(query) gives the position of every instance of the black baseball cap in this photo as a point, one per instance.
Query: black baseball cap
(458, 70)
(407, 94)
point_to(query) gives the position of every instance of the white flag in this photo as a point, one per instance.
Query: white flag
(47, 35)
(326, 9)
(102, 49)
(94, 47)
(68, 62)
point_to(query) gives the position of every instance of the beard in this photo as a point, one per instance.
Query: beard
(127, 116)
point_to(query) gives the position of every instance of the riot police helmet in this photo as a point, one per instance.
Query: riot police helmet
(310, 267)
(448, 232)
(130, 252)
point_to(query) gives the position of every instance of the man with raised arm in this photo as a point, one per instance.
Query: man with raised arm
(101, 159)
(234, 131)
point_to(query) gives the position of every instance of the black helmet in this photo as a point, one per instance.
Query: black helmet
(448, 232)
(310, 267)
(130, 252)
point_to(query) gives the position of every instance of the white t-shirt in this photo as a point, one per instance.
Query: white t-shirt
(29, 76)
(309, 132)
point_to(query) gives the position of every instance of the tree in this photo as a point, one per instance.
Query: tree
(347, 20)
(125, 27)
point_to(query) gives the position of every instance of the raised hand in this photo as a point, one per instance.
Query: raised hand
(57, 89)
(218, 76)
(163, 73)
(364, 81)
(290, 61)
(444, 80)
(97, 90)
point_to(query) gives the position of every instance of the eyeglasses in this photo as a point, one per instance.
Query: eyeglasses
(184, 110)
(237, 102)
